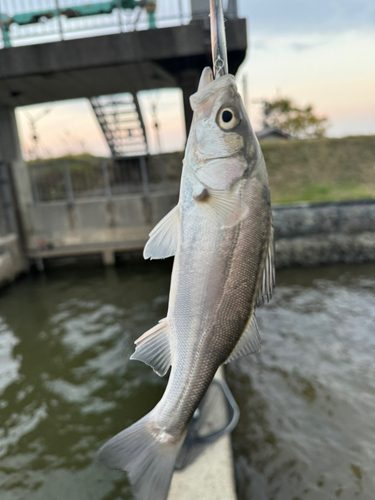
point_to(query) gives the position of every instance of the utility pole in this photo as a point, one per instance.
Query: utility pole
(34, 134)
(154, 114)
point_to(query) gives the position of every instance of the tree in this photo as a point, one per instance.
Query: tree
(300, 123)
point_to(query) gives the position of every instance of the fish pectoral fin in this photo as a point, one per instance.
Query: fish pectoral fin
(164, 238)
(153, 348)
(249, 342)
(222, 207)
(268, 277)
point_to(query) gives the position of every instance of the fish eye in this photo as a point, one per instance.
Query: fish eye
(227, 118)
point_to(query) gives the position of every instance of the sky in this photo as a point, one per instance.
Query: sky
(320, 53)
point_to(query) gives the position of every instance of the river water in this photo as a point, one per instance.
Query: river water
(307, 401)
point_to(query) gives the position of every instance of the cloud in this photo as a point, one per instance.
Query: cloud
(274, 17)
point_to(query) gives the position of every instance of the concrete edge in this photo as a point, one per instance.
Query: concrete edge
(211, 475)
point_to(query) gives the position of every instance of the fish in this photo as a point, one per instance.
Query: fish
(221, 236)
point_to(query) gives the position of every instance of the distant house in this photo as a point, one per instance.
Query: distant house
(272, 134)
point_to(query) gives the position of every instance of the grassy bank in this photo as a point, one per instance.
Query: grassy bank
(312, 170)
(321, 170)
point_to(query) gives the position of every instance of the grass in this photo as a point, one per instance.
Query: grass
(321, 170)
(321, 192)
(317, 170)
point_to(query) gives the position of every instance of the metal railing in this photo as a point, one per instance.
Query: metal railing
(61, 21)
(76, 179)
(25, 22)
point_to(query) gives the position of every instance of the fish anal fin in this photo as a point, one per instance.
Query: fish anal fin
(267, 278)
(164, 238)
(249, 342)
(224, 208)
(153, 348)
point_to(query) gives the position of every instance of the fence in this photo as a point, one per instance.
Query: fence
(24, 22)
(75, 179)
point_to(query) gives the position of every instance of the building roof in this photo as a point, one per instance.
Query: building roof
(272, 131)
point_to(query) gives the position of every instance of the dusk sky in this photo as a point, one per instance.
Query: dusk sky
(320, 53)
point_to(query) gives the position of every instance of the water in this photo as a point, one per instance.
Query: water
(66, 383)
(307, 402)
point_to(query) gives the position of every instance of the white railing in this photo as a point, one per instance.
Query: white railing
(51, 27)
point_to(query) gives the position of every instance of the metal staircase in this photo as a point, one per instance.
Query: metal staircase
(120, 119)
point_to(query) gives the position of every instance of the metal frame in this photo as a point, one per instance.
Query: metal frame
(76, 180)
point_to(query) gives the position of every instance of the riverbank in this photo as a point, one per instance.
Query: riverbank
(316, 170)
(310, 234)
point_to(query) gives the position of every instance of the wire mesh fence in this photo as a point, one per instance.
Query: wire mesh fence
(25, 22)
(77, 179)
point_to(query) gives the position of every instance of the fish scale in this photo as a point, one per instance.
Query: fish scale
(221, 236)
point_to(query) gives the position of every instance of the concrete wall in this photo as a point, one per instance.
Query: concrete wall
(10, 153)
(306, 234)
(12, 261)
(324, 233)
(99, 220)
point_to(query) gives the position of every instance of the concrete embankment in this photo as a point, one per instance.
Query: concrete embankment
(306, 234)
(324, 233)
(12, 262)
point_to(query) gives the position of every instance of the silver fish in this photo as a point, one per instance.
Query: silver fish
(221, 235)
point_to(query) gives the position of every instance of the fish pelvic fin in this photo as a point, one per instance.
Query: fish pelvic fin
(249, 342)
(224, 208)
(165, 236)
(147, 453)
(268, 278)
(153, 348)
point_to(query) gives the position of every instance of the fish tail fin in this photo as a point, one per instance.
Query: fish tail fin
(147, 454)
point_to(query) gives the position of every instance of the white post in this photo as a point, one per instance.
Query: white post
(59, 19)
(119, 15)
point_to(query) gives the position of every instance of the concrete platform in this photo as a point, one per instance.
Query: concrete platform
(211, 475)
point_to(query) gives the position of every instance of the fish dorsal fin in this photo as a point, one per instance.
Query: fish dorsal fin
(249, 342)
(153, 348)
(164, 238)
(268, 277)
(222, 207)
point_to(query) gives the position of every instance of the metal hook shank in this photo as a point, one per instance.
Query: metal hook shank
(218, 40)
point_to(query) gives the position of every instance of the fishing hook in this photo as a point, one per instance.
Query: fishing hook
(218, 39)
